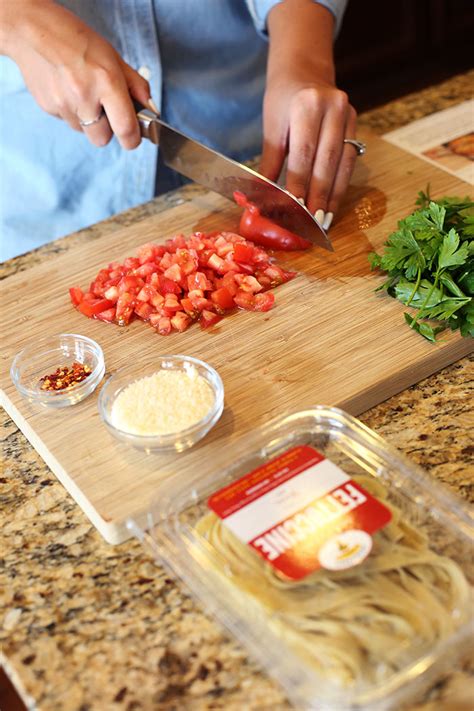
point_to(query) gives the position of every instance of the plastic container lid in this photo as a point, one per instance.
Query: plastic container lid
(339, 564)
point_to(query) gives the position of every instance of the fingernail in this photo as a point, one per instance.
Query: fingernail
(328, 220)
(153, 106)
(301, 200)
(319, 216)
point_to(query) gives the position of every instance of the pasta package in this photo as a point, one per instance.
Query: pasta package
(345, 570)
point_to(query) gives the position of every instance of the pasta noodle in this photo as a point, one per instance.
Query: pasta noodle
(359, 625)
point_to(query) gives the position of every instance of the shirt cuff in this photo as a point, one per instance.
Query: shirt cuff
(259, 10)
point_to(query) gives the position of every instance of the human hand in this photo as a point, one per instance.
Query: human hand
(305, 117)
(72, 72)
(307, 123)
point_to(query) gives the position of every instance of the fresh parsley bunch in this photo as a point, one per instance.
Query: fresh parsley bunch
(430, 265)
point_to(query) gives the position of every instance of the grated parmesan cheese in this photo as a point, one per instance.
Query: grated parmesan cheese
(163, 403)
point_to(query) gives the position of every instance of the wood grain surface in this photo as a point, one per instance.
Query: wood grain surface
(329, 339)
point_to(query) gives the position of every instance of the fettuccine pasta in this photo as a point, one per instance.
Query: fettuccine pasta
(359, 625)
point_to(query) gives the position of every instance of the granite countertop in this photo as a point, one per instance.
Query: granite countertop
(90, 627)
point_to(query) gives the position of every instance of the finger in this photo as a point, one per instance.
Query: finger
(273, 157)
(275, 132)
(138, 87)
(99, 133)
(121, 114)
(346, 164)
(303, 138)
(328, 154)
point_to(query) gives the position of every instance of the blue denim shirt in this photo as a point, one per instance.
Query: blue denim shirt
(205, 61)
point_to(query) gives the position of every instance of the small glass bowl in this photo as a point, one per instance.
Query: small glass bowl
(177, 441)
(42, 358)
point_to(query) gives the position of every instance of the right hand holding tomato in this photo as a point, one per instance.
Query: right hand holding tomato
(71, 71)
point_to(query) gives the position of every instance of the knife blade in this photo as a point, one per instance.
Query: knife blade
(225, 175)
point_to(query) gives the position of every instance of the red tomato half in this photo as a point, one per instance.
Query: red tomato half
(262, 230)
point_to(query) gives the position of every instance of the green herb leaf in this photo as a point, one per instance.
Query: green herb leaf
(404, 293)
(424, 329)
(374, 260)
(449, 254)
(430, 264)
(444, 310)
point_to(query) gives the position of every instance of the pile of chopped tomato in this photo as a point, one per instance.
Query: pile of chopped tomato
(195, 279)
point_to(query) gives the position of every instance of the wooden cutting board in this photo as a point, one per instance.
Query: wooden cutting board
(329, 340)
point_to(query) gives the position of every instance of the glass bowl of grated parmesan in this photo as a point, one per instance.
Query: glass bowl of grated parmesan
(168, 403)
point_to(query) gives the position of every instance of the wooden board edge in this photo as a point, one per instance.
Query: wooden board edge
(113, 533)
(432, 364)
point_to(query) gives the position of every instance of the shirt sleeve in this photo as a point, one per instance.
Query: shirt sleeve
(259, 10)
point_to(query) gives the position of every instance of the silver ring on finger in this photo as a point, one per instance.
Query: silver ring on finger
(92, 121)
(358, 145)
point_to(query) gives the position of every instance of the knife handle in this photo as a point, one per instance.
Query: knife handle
(149, 126)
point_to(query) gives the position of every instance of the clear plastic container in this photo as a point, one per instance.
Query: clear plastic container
(44, 356)
(179, 440)
(356, 630)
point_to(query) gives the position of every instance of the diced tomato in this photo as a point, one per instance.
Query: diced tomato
(157, 300)
(174, 273)
(144, 310)
(248, 283)
(195, 293)
(245, 300)
(243, 253)
(93, 307)
(222, 298)
(200, 303)
(164, 326)
(167, 286)
(189, 307)
(146, 293)
(131, 263)
(229, 266)
(204, 256)
(172, 284)
(154, 319)
(112, 293)
(223, 246)
(171, 303)
(117, 273)
(76, 295)
(208, 318)
(265, 301)
(278, 275)
(130, 284)
(228, 280)
(199, 280)
(186, 260)
(89, 296)
(166, 261)
(146, 270)
(147, 252)
(216, 262)
(125, 305)
(108, 315)
(180, 321)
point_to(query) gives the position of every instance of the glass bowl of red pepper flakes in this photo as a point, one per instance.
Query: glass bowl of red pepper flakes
(58, 371)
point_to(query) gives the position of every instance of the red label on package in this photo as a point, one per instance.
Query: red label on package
(301, 512)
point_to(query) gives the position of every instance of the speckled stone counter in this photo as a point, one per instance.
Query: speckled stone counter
(90, 627)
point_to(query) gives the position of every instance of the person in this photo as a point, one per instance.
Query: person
(242, 76)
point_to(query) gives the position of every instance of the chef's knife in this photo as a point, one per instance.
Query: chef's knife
(224, 175)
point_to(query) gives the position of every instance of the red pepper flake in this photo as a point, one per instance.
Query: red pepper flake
(65, 377)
